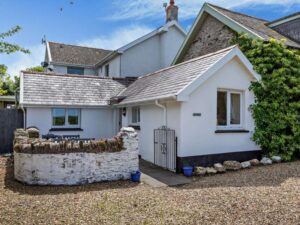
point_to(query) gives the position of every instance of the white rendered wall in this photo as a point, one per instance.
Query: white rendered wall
(96, 123)
(171, 42)
(152, 117)
(64, 70)
(198, 135)
(141, 59)
(78, 168)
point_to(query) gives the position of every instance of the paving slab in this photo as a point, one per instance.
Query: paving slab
(157, 176)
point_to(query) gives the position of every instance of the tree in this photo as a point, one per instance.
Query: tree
(36, 69)
(277, 96)
(7, 85)
(8, 48)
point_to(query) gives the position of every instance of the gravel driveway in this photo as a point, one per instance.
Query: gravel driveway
(262, 195)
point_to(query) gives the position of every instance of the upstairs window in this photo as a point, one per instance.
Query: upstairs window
(135, 115)
(69, 118)
(75, 70)
(106, 70)
(229, 109)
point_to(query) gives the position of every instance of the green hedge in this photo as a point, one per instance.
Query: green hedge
(277, 105)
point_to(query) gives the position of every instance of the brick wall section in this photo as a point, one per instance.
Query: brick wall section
(213, 36)
(79, 168)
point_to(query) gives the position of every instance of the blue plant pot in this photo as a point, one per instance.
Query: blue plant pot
(136, 177)
(188, 171)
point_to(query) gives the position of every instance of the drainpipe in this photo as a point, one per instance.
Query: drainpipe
(165, 111)
(24, 116)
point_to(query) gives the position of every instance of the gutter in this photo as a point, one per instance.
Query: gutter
(165, 111)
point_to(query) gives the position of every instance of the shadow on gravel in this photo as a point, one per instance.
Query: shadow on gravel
(15, 186)
(268, 176)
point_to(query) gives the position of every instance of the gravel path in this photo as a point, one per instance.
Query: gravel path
(262, 195)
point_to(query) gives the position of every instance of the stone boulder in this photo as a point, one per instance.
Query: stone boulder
(219, 168)
(266, 161)
(276, 159)
(232, 165)
(20, 136)
(200, 171)
(246, 165)
(211, 170)
(254, 162)
(33, 132)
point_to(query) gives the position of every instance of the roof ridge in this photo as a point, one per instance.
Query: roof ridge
(79, 46)
(73, 75)
(242, 14)
(284, 17)
(189, 61)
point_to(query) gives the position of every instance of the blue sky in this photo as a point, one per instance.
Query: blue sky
(105, 23)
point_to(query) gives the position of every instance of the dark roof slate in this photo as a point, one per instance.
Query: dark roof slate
(256, 25)
(76, 55)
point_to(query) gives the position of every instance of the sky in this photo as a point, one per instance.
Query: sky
(107, 24)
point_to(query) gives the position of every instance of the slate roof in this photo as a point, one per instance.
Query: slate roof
(69, 90)
(76, 55)
(256, 25)
(168, 82)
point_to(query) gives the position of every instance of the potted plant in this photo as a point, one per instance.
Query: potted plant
(136, 177)
(187, 170)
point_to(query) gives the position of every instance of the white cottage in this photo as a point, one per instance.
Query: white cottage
(204, 104)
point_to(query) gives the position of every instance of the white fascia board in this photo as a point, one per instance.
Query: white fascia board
(146, 101)
(72, 65)
(27, 105)
(189, 34)
(183, 95)
(138, 41)
(279, 22)
(48, 51)
(234, 25)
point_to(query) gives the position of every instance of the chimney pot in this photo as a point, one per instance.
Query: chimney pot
(172, 12)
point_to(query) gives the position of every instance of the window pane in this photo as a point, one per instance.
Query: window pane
(75, 70)
(235, 112)
(58, 117)
(135, 115)
(107, 70)
(73, 116)
(222, 109)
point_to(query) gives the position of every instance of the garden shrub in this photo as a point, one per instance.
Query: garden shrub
(277, 104)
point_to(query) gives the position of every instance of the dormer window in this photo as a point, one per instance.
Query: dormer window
(75, 70)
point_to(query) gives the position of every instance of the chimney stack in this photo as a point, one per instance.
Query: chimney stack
(172, 12)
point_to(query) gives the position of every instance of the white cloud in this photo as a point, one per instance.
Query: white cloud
(19, 61)
(118, 38)
(138, 9)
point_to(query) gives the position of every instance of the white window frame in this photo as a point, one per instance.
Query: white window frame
(67, 125)
(230, 126)
(137, 116)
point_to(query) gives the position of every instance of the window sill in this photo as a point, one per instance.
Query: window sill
(66, 129)
(136, 127)
(231, 131)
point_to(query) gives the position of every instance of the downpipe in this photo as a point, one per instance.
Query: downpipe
(165, 111)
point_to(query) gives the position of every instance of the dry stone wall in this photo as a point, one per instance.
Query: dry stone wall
(213, 36)
(79, 167)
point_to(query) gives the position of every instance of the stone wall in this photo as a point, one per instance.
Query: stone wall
(213, 36)
(80, 167)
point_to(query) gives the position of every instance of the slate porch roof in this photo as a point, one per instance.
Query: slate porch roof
(167, 83)
(48, 89)
(76, 55)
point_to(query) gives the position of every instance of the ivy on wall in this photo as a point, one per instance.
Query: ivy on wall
(277, 105)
